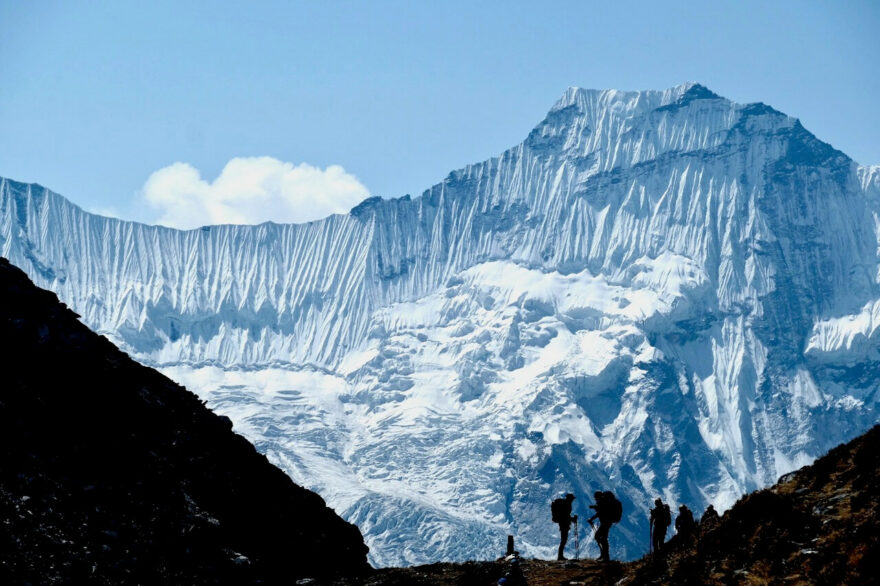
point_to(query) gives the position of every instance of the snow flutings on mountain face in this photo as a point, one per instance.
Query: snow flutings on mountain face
(659, 293)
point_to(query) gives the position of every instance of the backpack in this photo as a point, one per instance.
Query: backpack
(613, 506)
(665, 516)
(685, 521)
(557, 510)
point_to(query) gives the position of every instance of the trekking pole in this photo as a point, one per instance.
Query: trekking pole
(651, 535)
(577, 540)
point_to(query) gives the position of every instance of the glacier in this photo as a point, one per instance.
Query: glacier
(661, 293)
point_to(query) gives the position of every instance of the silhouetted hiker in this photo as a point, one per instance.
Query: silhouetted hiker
(710, 516)
(661, 518)
(561, 511)
(684, 523)
(609, 510)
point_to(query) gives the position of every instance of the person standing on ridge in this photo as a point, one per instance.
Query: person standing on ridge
(561, 511)
(684, 523)
(710, 516)
(661, 518)
(609, 510)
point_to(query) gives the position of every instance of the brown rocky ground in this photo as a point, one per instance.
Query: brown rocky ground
(535, 573)
(819, 525)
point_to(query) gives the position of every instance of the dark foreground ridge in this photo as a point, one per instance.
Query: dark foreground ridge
(110, 473)
(819, 525)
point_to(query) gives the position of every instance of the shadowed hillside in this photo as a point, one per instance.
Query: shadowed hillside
(819, 525)
(110, 473)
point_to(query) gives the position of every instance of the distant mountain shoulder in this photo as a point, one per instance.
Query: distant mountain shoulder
(110, 473)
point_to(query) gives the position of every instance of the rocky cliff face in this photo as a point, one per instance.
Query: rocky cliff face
(113, 474)
(661, 293)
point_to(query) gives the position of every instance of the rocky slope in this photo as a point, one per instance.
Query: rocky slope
(820, 525)
(110, 473)
(659, 292)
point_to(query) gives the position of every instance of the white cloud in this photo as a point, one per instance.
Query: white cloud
(250, 190)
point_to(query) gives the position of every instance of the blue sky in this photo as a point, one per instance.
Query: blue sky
(96, 98)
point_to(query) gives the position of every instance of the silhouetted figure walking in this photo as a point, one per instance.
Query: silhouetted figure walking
(609, 510)
(710, 516)
(661, 518)
(684, 523)
(561, 511)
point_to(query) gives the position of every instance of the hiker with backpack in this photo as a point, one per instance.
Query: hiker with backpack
(684, 523)
(561, 514)
(609, 510)
(710, 517)
(661, 518)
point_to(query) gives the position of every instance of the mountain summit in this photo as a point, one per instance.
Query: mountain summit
(659, 293)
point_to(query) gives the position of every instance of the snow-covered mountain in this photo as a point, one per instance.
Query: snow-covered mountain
(660, 292)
